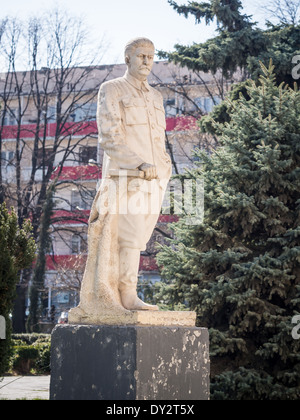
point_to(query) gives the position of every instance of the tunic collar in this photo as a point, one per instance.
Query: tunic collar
(136, 83)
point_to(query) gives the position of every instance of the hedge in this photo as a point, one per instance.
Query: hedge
(31, 353)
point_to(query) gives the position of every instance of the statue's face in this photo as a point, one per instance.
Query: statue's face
(140, 62)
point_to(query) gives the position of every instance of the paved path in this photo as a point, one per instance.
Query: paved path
(24, 387)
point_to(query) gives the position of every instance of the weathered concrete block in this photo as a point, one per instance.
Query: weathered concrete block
(129, 363)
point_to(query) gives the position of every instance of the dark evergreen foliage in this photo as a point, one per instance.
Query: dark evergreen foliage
(239, 45)
(240, 269)
(17, 251)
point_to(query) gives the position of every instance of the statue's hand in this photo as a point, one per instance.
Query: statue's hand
(150, 171)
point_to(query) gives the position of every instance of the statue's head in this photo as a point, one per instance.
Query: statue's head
(139, 56)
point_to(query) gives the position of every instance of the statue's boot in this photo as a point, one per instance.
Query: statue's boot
(129, 267)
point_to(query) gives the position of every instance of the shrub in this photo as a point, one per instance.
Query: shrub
(32, 338)
(24, 358)
(31, 353)
(17, 251)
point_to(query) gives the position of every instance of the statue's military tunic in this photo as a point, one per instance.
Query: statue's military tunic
(131, 123)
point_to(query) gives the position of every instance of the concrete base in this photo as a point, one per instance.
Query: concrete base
(145, 318)
(91, 362)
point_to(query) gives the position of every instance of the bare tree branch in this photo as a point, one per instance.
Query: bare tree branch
(34, 100)
(286, 12)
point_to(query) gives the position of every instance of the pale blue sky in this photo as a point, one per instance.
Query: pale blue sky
(122, 20)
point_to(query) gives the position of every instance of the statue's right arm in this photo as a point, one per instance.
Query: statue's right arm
(111, 131)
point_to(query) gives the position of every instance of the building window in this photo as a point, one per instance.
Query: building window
(51, 114)
(76, 201)
(79, 244)
(75, 244)
(10, 117)
(170, 108)
(7, 158)
(207, 104)
(82, 200)
(86, 112)
(44, 157)
(87, 153)
(63, 297)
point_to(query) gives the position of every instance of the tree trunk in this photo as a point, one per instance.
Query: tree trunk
(18, 319)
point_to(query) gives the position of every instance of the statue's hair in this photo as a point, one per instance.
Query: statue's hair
(137, 42)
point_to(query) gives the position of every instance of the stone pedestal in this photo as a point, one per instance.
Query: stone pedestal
(90, 362)
(138, 318)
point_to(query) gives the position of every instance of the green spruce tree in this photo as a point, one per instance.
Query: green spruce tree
(239, 43)
(240, 268)
(17, 251)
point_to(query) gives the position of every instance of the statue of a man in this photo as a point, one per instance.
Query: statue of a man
(131, 124)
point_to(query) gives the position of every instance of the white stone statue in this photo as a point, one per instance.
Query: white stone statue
(135, 173)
